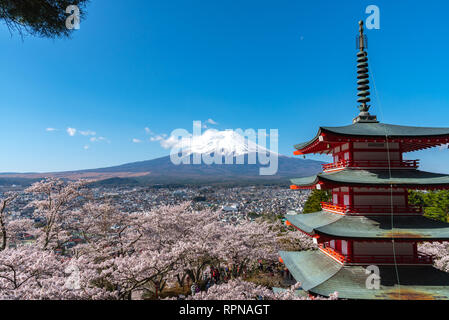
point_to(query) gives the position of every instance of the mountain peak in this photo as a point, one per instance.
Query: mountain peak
(227, 142)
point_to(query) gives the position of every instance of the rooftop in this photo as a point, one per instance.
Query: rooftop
(409, 177)
(372, 227)
(380, 131)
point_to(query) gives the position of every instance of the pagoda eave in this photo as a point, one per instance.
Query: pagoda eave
(329, 225)
(325, 185)
(406, 178)
(411, 138)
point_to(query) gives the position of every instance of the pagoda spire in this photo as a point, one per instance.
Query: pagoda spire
(363, 79)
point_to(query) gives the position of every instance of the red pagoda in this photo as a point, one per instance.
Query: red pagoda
(369, 221)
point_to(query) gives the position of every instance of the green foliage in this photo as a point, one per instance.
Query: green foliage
(313, 203)
(415, 198)
(43, 18)
(435, 203)
(269, 217)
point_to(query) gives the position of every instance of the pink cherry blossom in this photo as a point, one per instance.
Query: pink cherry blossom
(120, 255)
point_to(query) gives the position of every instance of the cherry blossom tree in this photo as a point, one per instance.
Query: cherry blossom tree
(54, 206)
(114, 261)
(238, 289)
(3, 219)
(243, 245)
(125, 254)
(291, 239)
(30, 273)
(439, 251)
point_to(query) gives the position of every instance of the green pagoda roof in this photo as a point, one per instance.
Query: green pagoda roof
(382, 129)
(376, 129)
(309, 267)
(309, 222)
(370, 227)
(409, 177)
(320, 274)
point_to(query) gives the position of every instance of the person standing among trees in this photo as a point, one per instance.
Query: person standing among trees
(193, 289)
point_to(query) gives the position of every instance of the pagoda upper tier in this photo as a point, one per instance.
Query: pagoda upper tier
(410, 138)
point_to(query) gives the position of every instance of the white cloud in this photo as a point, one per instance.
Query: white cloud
(165, 142)
(169, 142)
(158, 137)
(211, 121)
(88, 133)
(99, 139)
(148, 130)
(86, 147)
(137, 140)
(71, 131)
(51, 129)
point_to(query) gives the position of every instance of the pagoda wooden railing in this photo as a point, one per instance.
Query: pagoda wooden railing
(334, 207)
(405, 164)
(371, 209)
(334, 254)
(400, 259)
(420, 258)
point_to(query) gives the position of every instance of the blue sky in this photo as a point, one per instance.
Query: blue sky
(287, 65)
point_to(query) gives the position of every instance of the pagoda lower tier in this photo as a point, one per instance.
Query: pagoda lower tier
(321, 275)
(369, 222)
(379, 240)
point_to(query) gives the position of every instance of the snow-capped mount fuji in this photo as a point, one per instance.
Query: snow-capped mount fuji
(225, 143)
(232, 148)
(229, 146)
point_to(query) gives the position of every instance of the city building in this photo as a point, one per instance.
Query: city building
(231, 208)
(368, 235)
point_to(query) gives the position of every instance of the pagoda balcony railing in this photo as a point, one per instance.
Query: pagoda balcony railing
(397, 164)
(400, 259)
(334, 254)
(420, 258)
(371, 209)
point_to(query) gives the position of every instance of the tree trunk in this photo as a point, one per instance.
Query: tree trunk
(3, 225)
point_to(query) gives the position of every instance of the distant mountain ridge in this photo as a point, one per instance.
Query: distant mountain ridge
(163, 171)
(227, 144)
